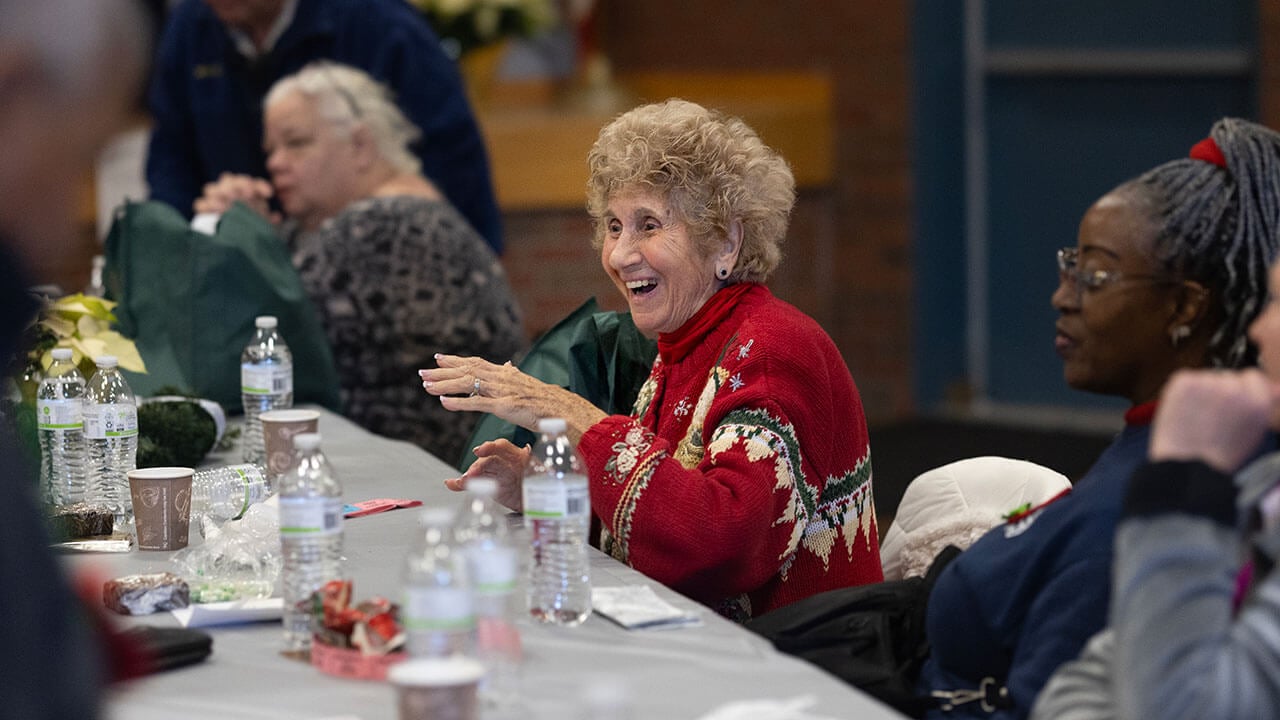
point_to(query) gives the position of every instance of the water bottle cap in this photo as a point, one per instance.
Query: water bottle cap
(265, 321)
(106, 361)
(62, 353)
(551, 425)
(306, 441)
(482, 486)
(435, 516)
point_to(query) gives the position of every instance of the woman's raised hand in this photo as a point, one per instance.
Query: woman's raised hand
(474, 384)
(230, 188)
(505, 463)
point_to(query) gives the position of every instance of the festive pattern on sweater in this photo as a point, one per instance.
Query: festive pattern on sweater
(818, 516)
(690, 451)
(644, 398)
(632, 459)
(744, 466)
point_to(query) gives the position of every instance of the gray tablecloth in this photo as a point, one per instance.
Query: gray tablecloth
(681, 673)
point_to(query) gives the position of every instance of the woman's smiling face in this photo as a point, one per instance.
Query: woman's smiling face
(653, 261)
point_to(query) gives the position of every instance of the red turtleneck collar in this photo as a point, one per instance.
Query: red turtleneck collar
(675, 346)
(1139, 415)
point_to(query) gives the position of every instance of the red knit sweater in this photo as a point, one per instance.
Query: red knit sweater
(743, 479)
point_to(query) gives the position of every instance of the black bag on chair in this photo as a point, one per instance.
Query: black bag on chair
(870, 636)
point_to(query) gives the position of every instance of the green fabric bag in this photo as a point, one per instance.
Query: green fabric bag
(597, 354)
(189, 302)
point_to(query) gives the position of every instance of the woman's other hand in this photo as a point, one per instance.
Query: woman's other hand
(1214, 416)
(505, 463)
(474, 384)
(230, 188)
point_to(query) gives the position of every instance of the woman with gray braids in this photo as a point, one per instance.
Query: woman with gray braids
(1168, 273)
(1195, 616)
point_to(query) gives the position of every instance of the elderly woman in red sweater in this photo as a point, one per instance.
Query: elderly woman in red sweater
(743, 476)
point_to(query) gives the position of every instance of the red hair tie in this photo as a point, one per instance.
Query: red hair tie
(1207, 150)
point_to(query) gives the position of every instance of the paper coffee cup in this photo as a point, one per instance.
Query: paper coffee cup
(437, 688)
(278, 429)
(161, 506)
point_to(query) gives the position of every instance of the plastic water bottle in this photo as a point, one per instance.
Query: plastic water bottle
(438, 616)
(266, 383)
(557, 512)
(224, 493)
(310, 536)
(493, 562)
(111, 437)
(60, 422)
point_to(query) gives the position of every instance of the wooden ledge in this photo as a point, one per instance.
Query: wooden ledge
(538, 136)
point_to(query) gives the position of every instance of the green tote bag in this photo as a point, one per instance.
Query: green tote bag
(189, 301)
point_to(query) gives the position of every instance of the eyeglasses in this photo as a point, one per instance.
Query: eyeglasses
(1069, 272)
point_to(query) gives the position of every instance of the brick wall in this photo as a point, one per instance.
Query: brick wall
(848, 255)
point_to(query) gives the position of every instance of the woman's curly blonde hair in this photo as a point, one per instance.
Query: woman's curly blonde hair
(711, 168)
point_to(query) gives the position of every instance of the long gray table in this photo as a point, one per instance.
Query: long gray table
(678, 673)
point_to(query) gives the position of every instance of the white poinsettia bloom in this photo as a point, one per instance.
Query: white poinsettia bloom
(83, 323)
(89, 326)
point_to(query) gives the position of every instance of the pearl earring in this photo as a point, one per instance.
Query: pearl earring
(1179, 333)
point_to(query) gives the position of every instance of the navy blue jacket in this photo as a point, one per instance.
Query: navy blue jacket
(1024, 598)
(206, 98)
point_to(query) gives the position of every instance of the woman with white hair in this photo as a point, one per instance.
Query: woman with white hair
(393, 269)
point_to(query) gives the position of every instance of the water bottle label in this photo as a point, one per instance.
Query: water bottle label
(59, 414)
(273, 379)
(310, 516)
(255, 486)
(493, 570)
(437, 609)
(569, 498)
(110, 420)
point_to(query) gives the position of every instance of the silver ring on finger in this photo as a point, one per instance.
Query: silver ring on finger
(475, 387)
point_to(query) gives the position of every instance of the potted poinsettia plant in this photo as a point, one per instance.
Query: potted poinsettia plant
(84, 324)
(80, 322)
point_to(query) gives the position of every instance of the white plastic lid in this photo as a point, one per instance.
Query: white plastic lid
(551, 425)
(482, 486)
(106, 361)
(62, 353)
(436, 672)
(306, 441)
(265, 321)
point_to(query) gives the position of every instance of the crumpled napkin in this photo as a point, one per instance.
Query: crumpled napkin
(793, 709)
(638, 607)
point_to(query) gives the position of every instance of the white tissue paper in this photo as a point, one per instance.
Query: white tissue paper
(638, 607)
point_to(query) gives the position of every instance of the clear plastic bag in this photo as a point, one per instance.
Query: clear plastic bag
(238, 559)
